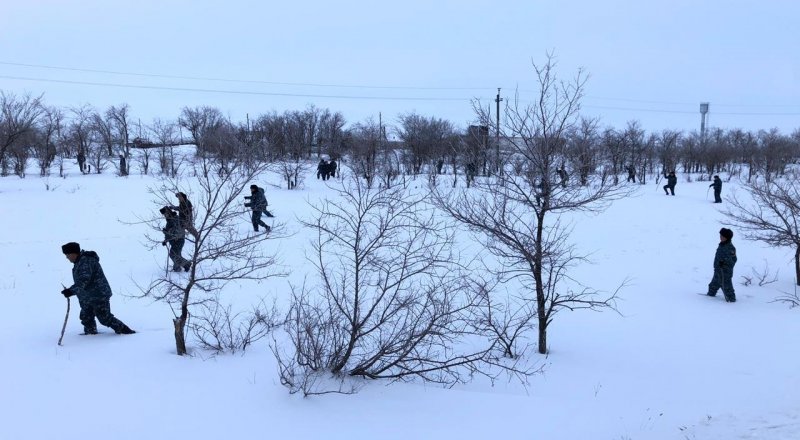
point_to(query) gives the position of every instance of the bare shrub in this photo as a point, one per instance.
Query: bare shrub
(218, 328)
(391, 303)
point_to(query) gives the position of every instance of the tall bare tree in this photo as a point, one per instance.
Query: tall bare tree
(518, 218)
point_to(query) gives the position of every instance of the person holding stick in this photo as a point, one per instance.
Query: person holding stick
(92, 289)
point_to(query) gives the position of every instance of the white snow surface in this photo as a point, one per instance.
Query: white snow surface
(672, 365)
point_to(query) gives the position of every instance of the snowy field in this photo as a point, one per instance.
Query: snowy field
(672, 365)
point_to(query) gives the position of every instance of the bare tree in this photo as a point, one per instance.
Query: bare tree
(120, 116)
(583, 149)
(80, 134)
(770, 213)
(222, 253)
(613, 144)
(423, 139)
(367, 141)
(667, 150)
(103, 127)
(164, 132)
(391, 303)
(18, 116)
(46, 148)
(746, 146)
(292, 170)
(200, 121)
(777, 150)
(330, 134)
(518, 217)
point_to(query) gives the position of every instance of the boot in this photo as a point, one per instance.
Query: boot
(125, 330)
(89, 331)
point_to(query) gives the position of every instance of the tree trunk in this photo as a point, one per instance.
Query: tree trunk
(180, 325)
(180, 337)
(797, 265)
(541, 300)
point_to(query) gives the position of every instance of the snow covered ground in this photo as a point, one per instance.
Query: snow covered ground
(673, 365)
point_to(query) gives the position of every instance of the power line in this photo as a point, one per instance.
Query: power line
(358, 86)
(246, 81)
(233, 92)
(371, 98)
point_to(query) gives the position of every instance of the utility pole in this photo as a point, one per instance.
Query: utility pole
(497, 132)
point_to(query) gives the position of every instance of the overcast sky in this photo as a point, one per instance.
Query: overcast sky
(651, 61)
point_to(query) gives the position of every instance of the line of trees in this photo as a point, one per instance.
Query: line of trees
(414, 145)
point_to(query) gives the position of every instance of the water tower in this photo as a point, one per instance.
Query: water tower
(703, 113)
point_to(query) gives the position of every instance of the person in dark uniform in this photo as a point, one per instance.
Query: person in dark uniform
(724, 260)
(562, 174)
(174, 235)
(185, 213)
(92, 289)
(332, 168)
(672, 180)
(321, 167)
(258, 203)
(631, 174)
(717, 184)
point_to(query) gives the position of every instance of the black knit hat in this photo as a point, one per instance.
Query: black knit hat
(166, 210)
(727, 233)
(253, 187)
(71, 248)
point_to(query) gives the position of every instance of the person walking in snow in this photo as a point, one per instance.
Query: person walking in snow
(724, 260)
(672, 180)
(258, 203)
(332, 168)
(717, 184)
(322, 166)
(185, 213)
(631, 174)
(92, 289)
(562, 174)
(173, 234)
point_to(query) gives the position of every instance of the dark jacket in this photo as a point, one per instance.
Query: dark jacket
(184, 209)
(258, 202)
(725, 258)
(672, 179)
(717, 184)
(90, 281)
(173, 230)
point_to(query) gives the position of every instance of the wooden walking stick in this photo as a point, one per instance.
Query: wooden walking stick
(64, 327)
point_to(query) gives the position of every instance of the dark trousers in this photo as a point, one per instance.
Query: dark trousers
(257, 220)
(717, 196)
(187, 225)
(671, 188)
(723, 278)
(175, 251)
(101, 309)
